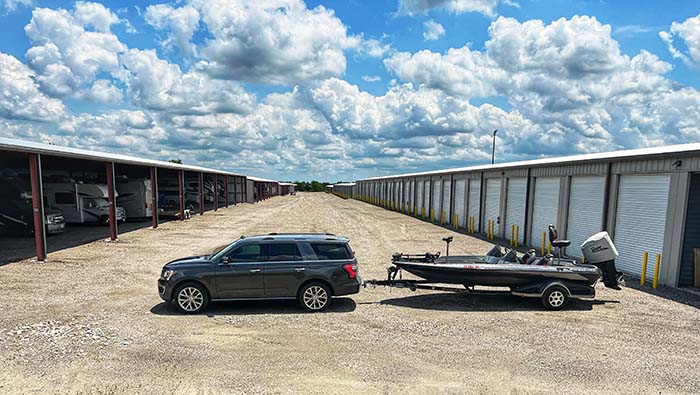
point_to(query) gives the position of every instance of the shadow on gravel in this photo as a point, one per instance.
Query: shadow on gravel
(688, 297)
(254, 307)
(477, 303)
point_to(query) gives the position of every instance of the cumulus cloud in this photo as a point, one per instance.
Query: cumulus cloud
(412, 7)
(432, 30)
(273, 42)
(70, 48)
(688, 32)
(371, 78)
(12, 5)
(20, 97)
(157, 84)
(182, 23)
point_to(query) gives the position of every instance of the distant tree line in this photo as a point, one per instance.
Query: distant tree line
(313, 186)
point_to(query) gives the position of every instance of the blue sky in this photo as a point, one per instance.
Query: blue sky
(341, 90)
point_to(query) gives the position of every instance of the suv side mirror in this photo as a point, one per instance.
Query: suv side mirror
(224, 260)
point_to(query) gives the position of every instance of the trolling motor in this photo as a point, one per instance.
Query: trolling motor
(448, 240)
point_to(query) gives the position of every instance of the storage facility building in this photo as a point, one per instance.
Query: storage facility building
(647, 199)
(345, 190)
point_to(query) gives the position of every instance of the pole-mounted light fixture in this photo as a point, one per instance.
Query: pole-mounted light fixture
(493, 148)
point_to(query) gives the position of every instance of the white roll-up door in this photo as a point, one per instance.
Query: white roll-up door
(419, 198)
(586, 201)
(474, 202)
(436, 202)
(640, 220)
(446, 195)
(493, 202)
(411, 191)
(426, 199)
(545, 209)
(460, 202)
(515, 208)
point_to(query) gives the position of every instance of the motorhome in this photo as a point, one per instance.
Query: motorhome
(135, 197)
(16, 209)
(81, 203)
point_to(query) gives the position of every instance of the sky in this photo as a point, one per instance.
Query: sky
(343, 90)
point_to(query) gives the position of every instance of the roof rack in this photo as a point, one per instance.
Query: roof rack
(299, 233)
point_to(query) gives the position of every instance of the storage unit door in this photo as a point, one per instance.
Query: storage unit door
(426, 198)
(586, 201)
(474, 201)
(515, 208)
(435, 201)
(691, 240)
(446, 194)
(493, 202)
(419, 197)
(640, 220)
(545, 209)
(409, 199)
(460, 202)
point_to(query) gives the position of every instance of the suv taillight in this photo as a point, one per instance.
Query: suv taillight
(350, 269)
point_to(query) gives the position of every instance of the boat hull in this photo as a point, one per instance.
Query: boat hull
(501, 275)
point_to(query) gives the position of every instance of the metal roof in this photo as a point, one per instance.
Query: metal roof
(667, 150)
(344, 184)
(258, 179)
(68, 152)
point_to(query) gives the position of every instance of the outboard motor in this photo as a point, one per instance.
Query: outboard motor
(600, 251)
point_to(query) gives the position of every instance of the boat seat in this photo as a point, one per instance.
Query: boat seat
(561, 243)
(554, 238)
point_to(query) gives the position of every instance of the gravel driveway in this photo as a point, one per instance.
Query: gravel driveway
(90, 321)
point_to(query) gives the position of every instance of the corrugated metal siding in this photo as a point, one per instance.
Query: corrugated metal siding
(419, 196)
(493, 202)
(461, 202)
(426, 198)
(586, 201)
(515, 206)
(656, 165)
(692, 233)
(545, 208)
(571, 170)
(640, 221)
(474, 201)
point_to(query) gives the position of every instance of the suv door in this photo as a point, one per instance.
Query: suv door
(284, 270)
(240, 273)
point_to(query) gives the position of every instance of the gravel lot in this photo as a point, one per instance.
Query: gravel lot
(90, 321)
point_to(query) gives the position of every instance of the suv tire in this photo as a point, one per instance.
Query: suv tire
(191, 298)
(314, 296)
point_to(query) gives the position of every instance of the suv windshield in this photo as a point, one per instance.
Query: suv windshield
(331, 251)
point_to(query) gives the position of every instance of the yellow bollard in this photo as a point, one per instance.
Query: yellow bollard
(643, 280)
(443, 218)
(549, 248)
(455, 221)
(512, 233)
(488, 230)
(422, 212)
(471, 225)
(656, 271)
(432, 215)
(544, 237)
(517, 235)
(491, 230)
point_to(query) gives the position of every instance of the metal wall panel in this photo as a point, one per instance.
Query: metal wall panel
(586, 201)
(419, 196)
(640, 221)
(492, 207)
(474, 202)
(545, 208)
(515, 207)
(461, 202)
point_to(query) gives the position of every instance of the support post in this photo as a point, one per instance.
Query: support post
(216, 192)
(154, 197)
(110, 198)
(226, 191)
(201, 193)
(181, 194)
(37, 206)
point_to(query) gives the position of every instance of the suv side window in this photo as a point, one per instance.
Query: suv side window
(284, 252)
(331, 251)
(246, 253)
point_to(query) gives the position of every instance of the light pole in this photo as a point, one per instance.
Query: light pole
(493, 148)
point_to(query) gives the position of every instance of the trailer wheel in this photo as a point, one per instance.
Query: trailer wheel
(555, 298)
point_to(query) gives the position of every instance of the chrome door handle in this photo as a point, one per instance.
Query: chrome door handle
(255, 270)
(300, 269)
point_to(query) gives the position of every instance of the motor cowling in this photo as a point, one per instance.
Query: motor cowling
(599, 250)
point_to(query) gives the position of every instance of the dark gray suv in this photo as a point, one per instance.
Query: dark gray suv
(311, 268)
